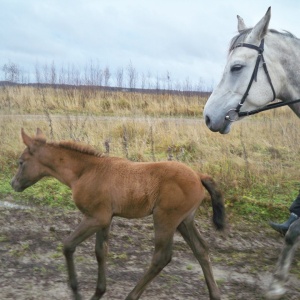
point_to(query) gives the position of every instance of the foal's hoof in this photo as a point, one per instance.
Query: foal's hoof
(98, 294)
(96, 297)
(275, 292)
(77, 296)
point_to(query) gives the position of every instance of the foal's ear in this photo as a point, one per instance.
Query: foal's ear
(260, 29)
(32, 142)
(40, 135)
(241, 24)
(27, 140)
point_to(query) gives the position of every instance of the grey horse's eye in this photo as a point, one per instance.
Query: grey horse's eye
(236, 68)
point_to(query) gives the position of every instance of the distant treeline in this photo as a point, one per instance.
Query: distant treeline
(109, 89)
(92, 75)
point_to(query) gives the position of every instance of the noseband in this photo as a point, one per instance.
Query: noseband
(236, 111)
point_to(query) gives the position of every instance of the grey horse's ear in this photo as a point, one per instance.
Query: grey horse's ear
(241, 24)
(260, 29)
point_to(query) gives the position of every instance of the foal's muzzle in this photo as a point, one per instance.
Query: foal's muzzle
(16, 185)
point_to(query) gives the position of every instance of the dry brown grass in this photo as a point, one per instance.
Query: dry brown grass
(84, 100)
(259, 158)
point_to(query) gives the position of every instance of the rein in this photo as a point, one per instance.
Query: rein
(267, 107)
(235, 112)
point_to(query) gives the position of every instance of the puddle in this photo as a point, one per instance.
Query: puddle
(8, 204)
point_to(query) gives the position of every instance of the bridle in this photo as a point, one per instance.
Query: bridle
(260, 58)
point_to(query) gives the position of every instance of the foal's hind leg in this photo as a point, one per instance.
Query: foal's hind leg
(101, 251)
(193, 238)
(164, 233)
(280, 276)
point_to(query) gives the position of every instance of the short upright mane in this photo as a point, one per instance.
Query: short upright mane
(241, 37)
(75, 146)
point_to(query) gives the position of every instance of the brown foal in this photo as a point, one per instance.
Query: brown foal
(104, 187)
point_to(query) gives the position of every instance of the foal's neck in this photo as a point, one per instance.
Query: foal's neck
(67, 166)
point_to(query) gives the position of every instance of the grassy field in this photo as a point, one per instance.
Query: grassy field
(256, 165)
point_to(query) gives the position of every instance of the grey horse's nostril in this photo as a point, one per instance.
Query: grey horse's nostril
(207, 121)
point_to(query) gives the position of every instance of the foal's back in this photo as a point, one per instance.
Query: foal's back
(135, 189)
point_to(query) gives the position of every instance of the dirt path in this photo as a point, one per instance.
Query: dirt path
(33, 267)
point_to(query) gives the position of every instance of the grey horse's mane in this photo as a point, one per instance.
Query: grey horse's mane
(241, 37)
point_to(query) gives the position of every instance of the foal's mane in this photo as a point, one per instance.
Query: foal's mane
(241, 37)
(78, 147)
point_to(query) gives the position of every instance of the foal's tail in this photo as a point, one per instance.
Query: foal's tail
(219, 217)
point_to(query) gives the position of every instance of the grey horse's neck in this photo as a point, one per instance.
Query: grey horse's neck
(288, 47)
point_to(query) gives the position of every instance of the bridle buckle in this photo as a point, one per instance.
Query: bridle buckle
(235, 115)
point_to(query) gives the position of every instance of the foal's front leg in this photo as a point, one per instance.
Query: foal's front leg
(85, 229)
(277, 289)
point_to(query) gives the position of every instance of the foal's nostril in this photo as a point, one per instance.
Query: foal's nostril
(207, 121)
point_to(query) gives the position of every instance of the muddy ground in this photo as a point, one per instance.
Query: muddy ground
(32, 265)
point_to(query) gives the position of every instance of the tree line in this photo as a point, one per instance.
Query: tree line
(93, 74)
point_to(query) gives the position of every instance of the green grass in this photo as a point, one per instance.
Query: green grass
(48, 191)
(252, 205)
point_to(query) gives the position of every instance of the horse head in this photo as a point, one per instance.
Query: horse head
(244, 85)
(29, 169)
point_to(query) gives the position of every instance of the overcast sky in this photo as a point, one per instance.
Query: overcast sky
(187, 38)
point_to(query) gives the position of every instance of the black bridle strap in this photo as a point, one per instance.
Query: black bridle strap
(259, 49)
(268, 76)
(267, 107)
(253, 77)
(260, 57)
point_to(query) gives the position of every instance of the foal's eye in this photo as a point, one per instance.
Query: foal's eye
(20, 163)
(236, 68)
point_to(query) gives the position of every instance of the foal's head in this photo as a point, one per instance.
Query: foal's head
(30, 170)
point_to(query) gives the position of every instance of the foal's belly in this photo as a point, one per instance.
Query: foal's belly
(132, 207)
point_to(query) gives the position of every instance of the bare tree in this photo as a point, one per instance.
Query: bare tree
(100, 78)
(157, 83)
(178, 86)
(87, 73)
(37, 73)
(53, 73)
(187, 85)
(120, 77)
(98, 75)
(169, 81)
(93, 74)
(68, 77)
(107, 75)
(24, 77)
(149, 76)
(76, 77)
(11, 72)
(132, 76)
(46, 73)
(143, 81)
(62, 75)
